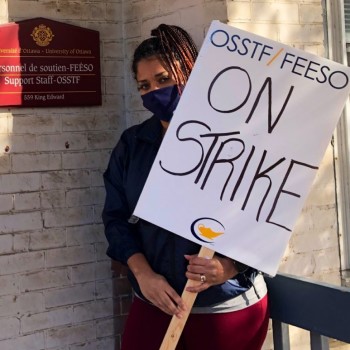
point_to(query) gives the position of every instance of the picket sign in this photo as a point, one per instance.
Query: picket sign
(177, 325)
(244, 145)
(242, 149)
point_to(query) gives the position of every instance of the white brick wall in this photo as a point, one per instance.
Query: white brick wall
(53, 267)
(56, 290)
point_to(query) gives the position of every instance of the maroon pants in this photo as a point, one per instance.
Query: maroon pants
(239, 330)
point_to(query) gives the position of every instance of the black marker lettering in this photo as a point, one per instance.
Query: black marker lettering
(187, 139)
(218, 160)
(258, 175)
(221, 74)
(268, 83)
(282, 190)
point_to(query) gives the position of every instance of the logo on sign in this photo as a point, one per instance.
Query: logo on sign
(207, 229)
(42, 35)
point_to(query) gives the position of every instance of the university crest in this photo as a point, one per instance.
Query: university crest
(42, 35)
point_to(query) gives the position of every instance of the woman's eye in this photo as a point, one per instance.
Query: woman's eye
(143, 87)
(164, 79)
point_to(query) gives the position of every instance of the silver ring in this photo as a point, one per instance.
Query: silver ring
(203, 278)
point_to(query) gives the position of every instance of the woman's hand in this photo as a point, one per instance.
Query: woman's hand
(159, 292)
(155, 287)
(215, 271)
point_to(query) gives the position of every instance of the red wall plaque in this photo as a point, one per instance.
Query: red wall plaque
(44, 63)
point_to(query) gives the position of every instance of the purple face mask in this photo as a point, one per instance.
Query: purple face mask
(162, 102)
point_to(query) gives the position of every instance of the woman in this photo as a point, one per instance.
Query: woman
(230, 311)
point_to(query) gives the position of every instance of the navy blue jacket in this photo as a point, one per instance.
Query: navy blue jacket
(128, 168)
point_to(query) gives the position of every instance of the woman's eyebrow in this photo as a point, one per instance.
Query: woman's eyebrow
(161, 73)
(156, 76)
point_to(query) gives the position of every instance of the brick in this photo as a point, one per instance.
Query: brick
(70, 295)
(20, 222)
(53, 199)
(171, 6)
(36, 162)
(93, 310)
(311, 13)
(322, 192)
(154, 21)
(301, 34)
(107, 30)
(97, 11)
(101, 249)
(99, 344)
(81, 235)
(29, 124)
(13, 305)
(275, 12)
(103, 270)
(13, 183)
(212, 11)
(35, 341)
(105, 328)
(46, 320)
(44, 279)
(22, 143)
(104, 289)
(114, 10)
(134, 11)
(70, 256)
(327, 260)
(3, 117)
(125, 303)
(9, 327)
(101, 140)
(115, 86)
(66, 179)
(112, 67)
(266, 30)
(6, 244)
(79, 197)
(48, 238)
(73, 11)
(112, 100)
(97, 177)
(86, 160)
(9, 285)
(132, 30)
(121, 286)
(85, 122)
(21, 262)
(34, 7)
(119, 270)
(62, 142)
(21, 242)
(83, 273)
(27, 201)
(70, 335)
(300, 264)
(315, 237)
(6, 203)
(5, 164)
(238, 11)
(68, 217)
(330, 277)
(98, 214)
(119, 323)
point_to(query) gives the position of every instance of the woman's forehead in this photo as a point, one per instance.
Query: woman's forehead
(149, 67)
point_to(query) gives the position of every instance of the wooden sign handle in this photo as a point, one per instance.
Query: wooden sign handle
(177, 325)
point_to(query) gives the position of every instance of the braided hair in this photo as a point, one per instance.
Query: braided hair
(175, 49)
